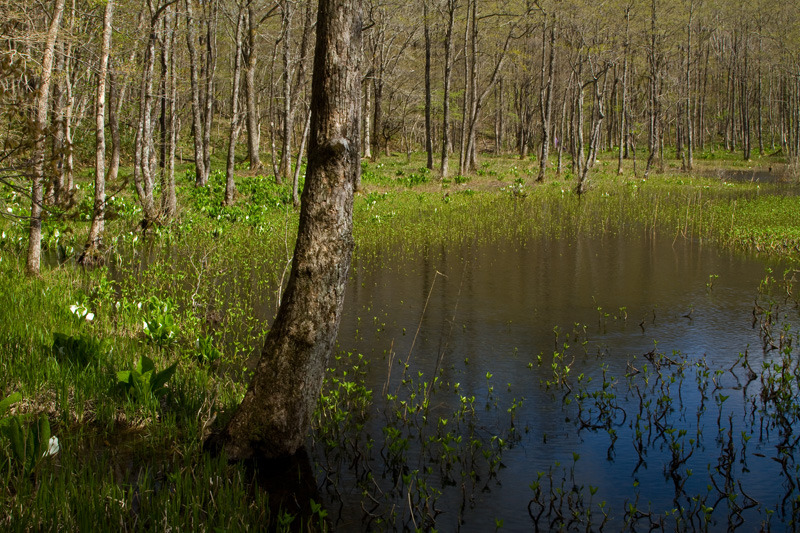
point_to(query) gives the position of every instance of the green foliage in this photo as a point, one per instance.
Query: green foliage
(81, 312)
(159, 321)
(144, 382)
(414, 179)
(78, 350)
(29, 442)
(205, 351)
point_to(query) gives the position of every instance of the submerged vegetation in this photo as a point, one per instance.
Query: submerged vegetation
(130, 366)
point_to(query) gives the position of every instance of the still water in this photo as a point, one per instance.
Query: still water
(476, 310)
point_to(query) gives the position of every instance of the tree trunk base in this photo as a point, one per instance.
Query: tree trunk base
(92, 256)
(289, 480)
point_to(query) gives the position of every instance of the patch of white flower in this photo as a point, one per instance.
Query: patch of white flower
(81, 311)
(52, 447)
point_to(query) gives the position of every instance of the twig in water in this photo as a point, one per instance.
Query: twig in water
(419, 326)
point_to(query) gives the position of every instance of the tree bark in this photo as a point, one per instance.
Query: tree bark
(32, 265)
(479, 99)
(197, 116)
(546, 103)
(367, 140)
(624, 104)
(56, 184)
(377, 107)
(428, 104)
(300, 153)
(689, 133)
(448, 78)
(211, 7)
(144, 151)
(285, 168)
(594, 141)
(117, 93)
(275, 415)
(469, 86)
(744, 98)
(94, 242)
(653, 108)
(230, 186)
(169, 201)
(253, 131)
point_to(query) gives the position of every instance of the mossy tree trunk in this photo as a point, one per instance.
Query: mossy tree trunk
(274, 418)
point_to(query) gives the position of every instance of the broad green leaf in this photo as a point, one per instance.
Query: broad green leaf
(161, 379)
(12, 398)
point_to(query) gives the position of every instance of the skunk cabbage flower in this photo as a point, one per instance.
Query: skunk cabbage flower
(52, 447)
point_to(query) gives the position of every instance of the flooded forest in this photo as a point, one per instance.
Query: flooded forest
(362, 265)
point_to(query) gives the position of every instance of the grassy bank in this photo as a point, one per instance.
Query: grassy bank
(189, 297)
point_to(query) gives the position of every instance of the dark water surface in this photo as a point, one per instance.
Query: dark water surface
(777, 174)
(496, 309)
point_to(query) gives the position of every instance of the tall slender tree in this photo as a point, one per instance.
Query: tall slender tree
(32, 265)
(94, 242)
(448, 80)
(230, 187)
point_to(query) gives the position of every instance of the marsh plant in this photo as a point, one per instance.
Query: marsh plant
(410, 459)
(143, 382)
(159, 323)
(27, 438)
(79, 350)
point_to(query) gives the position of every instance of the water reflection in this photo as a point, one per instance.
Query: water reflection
(496, 308)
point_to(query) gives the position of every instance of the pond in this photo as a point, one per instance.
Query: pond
(600, 382)
(776, 174)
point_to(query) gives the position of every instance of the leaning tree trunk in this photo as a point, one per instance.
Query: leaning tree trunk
(275, 415)
(42, 99)
(91, 253)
